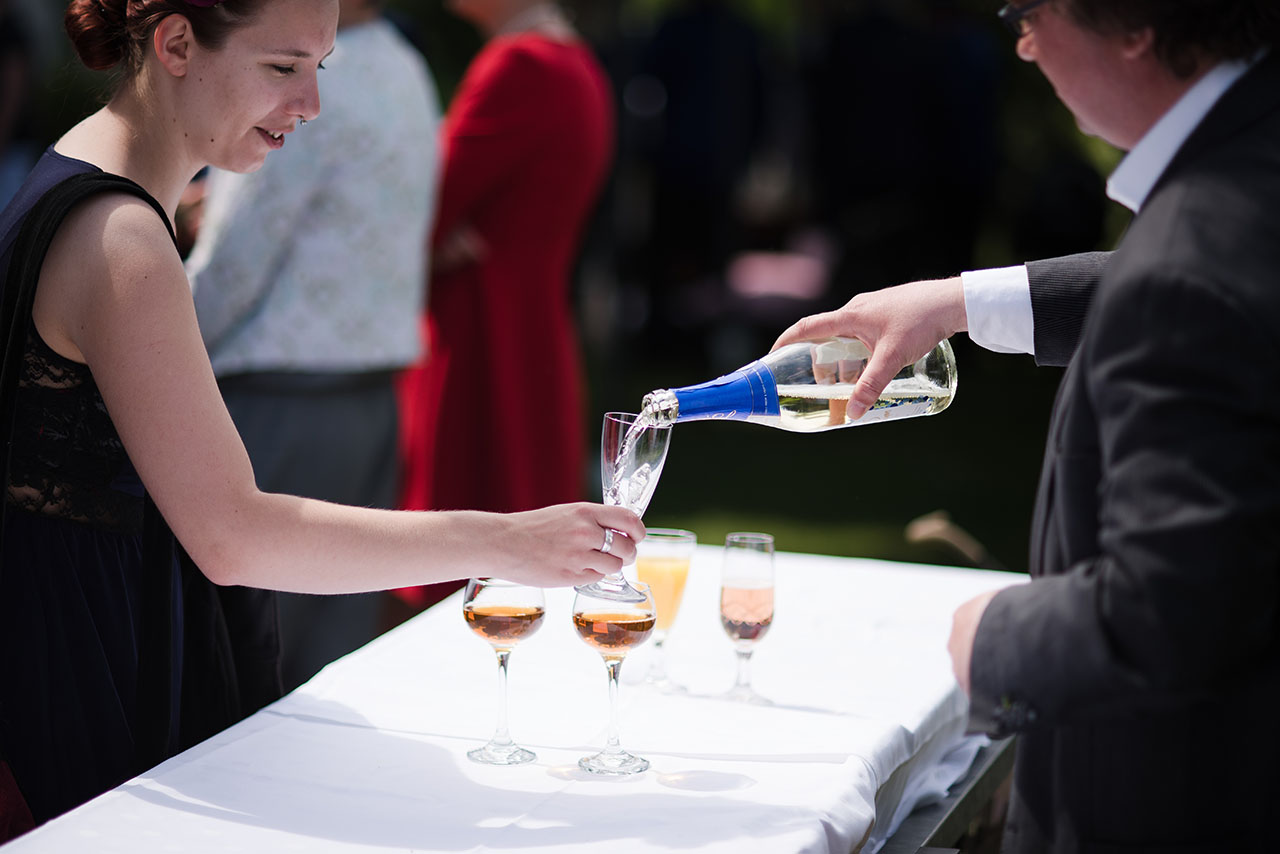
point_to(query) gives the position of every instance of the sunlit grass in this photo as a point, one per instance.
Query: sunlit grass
(874, 540)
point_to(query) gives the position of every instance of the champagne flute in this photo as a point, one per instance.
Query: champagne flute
(662, 562)
(503, 613)
(746, 603)
(633, 450)
(612, 628)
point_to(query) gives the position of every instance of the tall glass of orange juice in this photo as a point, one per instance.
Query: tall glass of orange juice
(662, 562)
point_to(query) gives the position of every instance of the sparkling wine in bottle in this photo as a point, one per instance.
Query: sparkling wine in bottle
(806, 386)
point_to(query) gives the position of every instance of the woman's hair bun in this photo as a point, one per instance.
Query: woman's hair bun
(99, 31)
(115, 33)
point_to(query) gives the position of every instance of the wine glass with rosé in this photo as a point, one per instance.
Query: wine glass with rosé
(746, 603)
(613, 628)
(503, 613)
(662, 562)
(633, 450)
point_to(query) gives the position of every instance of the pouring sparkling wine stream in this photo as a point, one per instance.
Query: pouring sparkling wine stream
(803, 387)
(633, 449)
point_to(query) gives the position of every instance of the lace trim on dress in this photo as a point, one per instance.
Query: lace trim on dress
(67, 460)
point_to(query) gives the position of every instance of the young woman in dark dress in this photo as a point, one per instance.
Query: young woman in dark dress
(114, 650)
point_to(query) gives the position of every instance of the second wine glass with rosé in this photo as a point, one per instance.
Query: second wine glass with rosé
(503, 613)
(613, 629)
(746, 603)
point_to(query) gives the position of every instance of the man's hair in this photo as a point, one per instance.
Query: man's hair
(1187, 32)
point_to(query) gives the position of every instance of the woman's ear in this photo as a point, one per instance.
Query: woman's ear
(172, 42)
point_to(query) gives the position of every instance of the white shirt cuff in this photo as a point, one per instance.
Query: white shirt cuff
(997, 303)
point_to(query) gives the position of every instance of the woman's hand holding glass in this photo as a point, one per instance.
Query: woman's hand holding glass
(555, 546)
(631, 460)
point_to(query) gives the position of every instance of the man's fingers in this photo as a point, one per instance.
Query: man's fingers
(880, 369)
(809, 328)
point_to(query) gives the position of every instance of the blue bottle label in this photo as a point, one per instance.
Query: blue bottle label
(745, 392)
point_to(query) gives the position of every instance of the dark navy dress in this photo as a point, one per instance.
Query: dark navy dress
(92, 604)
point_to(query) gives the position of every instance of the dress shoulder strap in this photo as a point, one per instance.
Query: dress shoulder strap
(29, 251)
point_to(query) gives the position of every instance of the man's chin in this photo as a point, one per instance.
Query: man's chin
(1115, 138)
(1086, 128)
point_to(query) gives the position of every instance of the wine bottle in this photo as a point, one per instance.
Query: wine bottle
(806, 386)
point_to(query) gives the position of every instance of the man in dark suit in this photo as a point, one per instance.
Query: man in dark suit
(1141, 665)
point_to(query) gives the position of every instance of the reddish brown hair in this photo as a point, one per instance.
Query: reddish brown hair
(111, 34)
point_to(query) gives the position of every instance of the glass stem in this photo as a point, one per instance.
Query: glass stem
(744, 669)
(657, 670)
(501, 736)
(613, 745)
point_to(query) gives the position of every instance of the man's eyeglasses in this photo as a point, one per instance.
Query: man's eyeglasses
(1015, 17)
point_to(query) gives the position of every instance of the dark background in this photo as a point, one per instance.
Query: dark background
(845, 146)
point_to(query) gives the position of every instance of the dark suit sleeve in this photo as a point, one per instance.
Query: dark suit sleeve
(1179, 604)
(1061, 291)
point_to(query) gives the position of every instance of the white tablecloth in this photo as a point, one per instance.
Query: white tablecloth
(369, 755)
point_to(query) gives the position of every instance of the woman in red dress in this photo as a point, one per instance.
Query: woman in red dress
(493, 417)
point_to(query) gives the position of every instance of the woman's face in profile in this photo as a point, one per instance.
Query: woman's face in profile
(247, 95)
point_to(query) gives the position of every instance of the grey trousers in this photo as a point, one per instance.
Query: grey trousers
(327, 436)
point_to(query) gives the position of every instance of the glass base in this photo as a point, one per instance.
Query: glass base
(744, 694)
(616, 764)
(501, 754)
(615, 587)
(665, 684)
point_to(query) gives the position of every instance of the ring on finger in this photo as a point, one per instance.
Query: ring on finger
(607, 547)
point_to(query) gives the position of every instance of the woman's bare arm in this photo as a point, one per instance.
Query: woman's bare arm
(113, 294)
